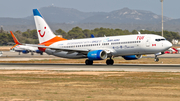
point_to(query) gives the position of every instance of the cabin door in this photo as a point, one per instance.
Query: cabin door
(148, 42)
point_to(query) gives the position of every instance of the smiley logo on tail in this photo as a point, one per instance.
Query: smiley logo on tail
(43, 33)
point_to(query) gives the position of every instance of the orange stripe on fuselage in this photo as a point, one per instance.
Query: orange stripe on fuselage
(49, 42)
(53, 40)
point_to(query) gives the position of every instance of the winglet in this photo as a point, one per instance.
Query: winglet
(139, 32)
(92, 36)
(13, 46)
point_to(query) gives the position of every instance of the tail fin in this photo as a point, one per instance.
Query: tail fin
(44, 32)
(15, 39)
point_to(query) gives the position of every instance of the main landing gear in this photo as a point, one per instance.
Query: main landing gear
(89, 62)
(41, 53)
(108, 62)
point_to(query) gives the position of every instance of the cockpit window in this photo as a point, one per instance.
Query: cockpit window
(160, 39)
(163, 39)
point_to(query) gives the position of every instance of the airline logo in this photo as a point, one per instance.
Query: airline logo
(42, 35)
(140, 37)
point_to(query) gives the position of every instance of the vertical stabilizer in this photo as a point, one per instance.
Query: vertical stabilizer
(43, 30)
(15, 39)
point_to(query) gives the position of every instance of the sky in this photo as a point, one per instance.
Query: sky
(23, 8)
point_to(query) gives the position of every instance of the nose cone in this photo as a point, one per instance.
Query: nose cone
(168, 45)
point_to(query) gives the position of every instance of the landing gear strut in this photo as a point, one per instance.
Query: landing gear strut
(89, 62)
(41, 53)
(110, 61)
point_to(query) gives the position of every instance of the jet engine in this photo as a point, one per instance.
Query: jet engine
(97, 55)
(132, 57)
(38, 51)
(25, 51)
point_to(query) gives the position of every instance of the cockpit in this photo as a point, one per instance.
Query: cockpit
(160, 39)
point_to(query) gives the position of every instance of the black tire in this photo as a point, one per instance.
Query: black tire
(89, 62)
(156, 59)
(109, 62)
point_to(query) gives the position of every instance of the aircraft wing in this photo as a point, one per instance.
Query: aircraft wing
(69, 50)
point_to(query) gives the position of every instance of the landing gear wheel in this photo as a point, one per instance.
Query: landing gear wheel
(156, 59)
(32, 53)
(109, 62)
(89, 62)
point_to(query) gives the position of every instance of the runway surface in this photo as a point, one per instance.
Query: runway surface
(96, 67)
(9, 56)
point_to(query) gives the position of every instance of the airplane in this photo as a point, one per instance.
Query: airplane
(130, 47)
(18, 47)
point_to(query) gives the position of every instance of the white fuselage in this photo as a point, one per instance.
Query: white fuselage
(20, 48)
(115, 45)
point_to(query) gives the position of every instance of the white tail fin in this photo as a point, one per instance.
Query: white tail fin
(43, 30)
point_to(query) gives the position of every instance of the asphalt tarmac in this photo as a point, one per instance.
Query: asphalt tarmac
(82, 67)
(97, 67)
(15, 55)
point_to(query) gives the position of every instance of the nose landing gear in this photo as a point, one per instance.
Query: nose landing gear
(156, 59)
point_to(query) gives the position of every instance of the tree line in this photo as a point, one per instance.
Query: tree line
(30, 36)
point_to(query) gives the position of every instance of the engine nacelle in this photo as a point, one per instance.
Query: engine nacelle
(25, 51)
(38, 51)
(97, 55)
(132, 57)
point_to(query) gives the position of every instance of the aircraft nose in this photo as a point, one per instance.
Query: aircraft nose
(169, 44)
